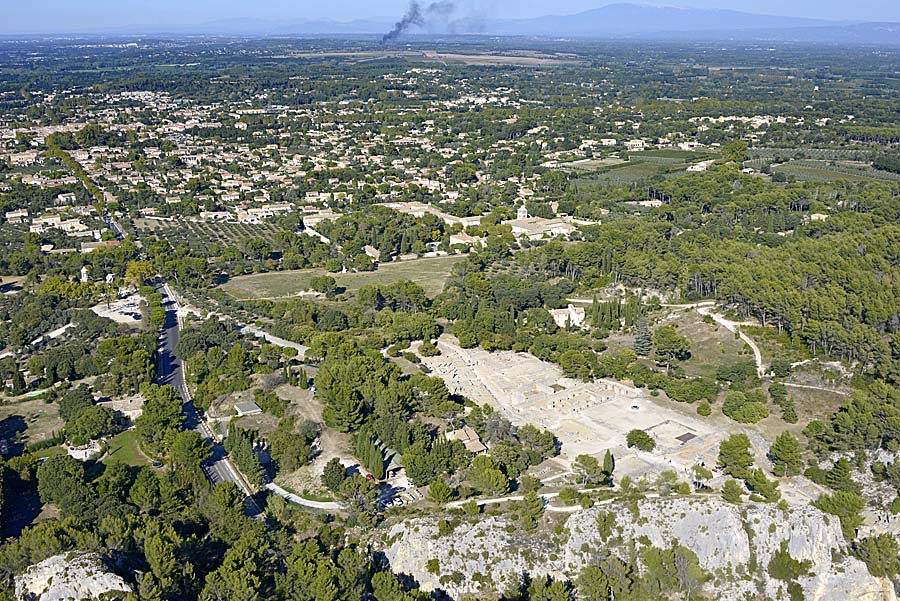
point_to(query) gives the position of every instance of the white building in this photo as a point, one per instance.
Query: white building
(635, 145)
(571, 316)
(535, 228)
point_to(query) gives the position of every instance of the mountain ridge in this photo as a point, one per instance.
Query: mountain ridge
(613, 21)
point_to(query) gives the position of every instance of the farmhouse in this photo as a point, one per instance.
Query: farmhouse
(469, 438)
(571, 316)
(535, 228)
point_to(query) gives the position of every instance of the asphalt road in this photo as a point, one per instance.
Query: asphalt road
(218, 468)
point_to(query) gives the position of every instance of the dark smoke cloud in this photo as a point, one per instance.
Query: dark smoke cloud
(415, 15)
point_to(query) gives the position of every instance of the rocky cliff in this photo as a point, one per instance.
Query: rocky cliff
(734, 545)
(71, 576)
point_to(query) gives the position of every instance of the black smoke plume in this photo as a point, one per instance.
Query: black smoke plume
(415, 15)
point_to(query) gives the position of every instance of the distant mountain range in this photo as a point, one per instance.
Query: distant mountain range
(631, 19)
(614, 21)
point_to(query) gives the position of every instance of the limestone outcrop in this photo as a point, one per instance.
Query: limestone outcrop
(733, 544)
(70, 576)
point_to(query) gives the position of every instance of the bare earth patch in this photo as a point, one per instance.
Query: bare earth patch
(331, 443)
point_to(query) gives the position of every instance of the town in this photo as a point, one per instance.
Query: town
(320, 318)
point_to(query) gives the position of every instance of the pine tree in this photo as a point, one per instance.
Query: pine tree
(532, 510)
(838, 477)
(789, 411)
(735, 457)
(786, 455)
(439, 491)
(732, 491)
(334, 474)
(643, 341)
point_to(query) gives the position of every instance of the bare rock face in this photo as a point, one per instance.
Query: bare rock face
(734, 544)
(72, 576)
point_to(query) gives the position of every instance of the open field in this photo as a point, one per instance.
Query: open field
(430, 273)
(631, 172)
(32, 420)
(123, 448)
(203, 236)
(774, 345)
(307, 481)
(520, 59)
(711, 344)
(810, 170)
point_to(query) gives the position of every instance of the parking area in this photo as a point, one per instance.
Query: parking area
(399, 491)
(125, 310)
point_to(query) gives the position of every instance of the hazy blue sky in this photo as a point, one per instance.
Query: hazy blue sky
(80, 15)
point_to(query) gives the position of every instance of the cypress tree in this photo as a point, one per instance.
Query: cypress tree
(643, 341)
(609, 466)
(303, 379)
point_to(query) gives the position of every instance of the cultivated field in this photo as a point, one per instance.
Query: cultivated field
(631, 172)
(203, 236)
(430, 273)
(810, 170)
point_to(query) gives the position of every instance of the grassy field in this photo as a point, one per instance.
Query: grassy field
(123, 448)
(773, 345)
(711, 345)
(31, 420)
(431, 274)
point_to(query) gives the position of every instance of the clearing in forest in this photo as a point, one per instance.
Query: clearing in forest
(430, 273)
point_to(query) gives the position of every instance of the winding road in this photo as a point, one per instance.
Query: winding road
(324, 505)
(218, 468)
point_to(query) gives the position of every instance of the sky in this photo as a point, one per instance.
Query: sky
(61, 16)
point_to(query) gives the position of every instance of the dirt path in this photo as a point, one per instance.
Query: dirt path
(326, 505)
(735, 326)
(822, 388)
(707, 308)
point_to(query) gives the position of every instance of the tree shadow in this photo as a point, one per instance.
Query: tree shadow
(10, 430)
(20, 514)
(407, 581)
